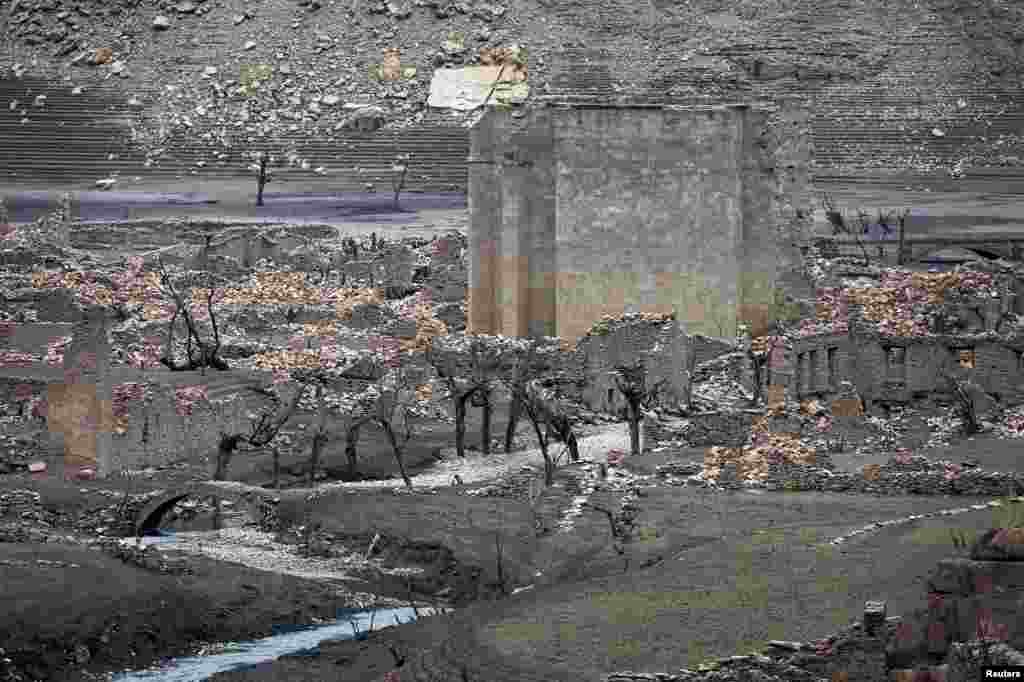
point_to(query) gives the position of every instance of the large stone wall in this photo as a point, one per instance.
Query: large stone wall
(156, 435)
(627, 343)
(577, 212)
(863, 358)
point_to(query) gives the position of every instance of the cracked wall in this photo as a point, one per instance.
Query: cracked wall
(578, 212)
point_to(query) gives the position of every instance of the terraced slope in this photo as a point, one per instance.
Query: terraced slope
(880, 77)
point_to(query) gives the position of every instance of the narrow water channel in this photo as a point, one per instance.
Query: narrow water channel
(286, 640)
(240, 655)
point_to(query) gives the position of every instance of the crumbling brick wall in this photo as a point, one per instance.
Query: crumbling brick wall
(820, 364)
(709, 347)
(157, 435)
(625, 343)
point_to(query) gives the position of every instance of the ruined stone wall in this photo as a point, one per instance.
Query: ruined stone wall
(577, 212)
(649, 215)
(813, 372)
(512, 217)
(157, 435)
(726, 428)
(625, 344)
(708, 348)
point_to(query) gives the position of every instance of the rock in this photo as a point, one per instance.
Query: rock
(77, 91)
(135, 103)
(161, 23)
(367, 119)
(82, 654)
(103, 55)
(209, 71)
(118, 67)
(249, 45)
(186, 7)
(106, 183)
(398, 10)
(330, 100)
(37, 467)
(999, 544)
(237, 19)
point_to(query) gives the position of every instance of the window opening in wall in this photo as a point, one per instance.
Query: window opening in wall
(611, 398)
(1020, 361)
(832, 367)
(896, 356)
(964, 356)
(812, 370)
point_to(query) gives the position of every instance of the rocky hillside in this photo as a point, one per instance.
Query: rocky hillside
(150, 87)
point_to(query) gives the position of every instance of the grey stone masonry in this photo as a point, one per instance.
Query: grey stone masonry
(660, 345)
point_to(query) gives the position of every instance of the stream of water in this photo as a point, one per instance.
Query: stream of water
(239, 655)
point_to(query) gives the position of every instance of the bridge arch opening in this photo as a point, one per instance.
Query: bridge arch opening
(213, 513)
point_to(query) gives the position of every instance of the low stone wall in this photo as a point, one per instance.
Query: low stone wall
(23, 518)
(851, 655)
(918, 477)
(892, 479)
(963, 660)
(156, 435)
(149, 557)
(270, 518)
(726, 428)
(22, 504)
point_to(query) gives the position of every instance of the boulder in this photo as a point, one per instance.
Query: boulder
(453, 315)
(367, 119)
(999, 544)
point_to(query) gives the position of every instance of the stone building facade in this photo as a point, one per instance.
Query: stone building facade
(577, 211)
(899, 369)
(662, 346)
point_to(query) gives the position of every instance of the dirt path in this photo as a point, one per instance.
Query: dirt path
(659, 619)
(475, 468)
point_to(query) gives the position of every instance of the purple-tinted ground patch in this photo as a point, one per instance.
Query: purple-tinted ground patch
(92, 207)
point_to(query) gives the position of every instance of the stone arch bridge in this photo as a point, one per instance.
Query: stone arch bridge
(256, 501)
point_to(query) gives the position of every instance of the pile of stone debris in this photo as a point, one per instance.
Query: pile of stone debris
(147, 557)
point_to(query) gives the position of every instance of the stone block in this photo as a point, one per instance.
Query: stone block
(847, 407)
(962, 576)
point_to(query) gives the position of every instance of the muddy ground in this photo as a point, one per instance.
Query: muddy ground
(561, 629)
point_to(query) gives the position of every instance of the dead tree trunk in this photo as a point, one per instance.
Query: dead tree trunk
(261, 180)
(485, 421)
(351, 438)
(276, 453)
(320, 437)
(634, 426)
(397, 450)
(691, 366)
(225, 450)
(513, 419)
(460, 423)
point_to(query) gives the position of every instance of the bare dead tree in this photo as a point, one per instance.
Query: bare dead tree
(840, 225)
(901, 219)
(526, 365)
(262, 431)
(691, 366)
(961, 387)
(467, 382)
(399, 170)
(351, 440)
(395, 412)
(263, 176)
(631, 382)
(319, 437)
(200, 353)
